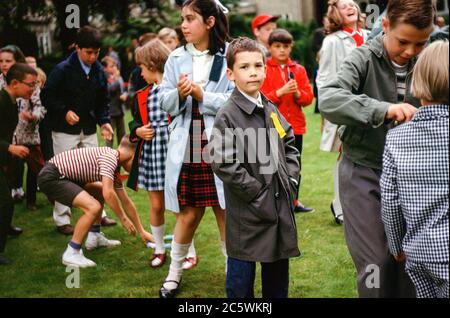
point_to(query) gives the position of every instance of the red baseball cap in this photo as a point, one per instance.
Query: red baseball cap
(262, 19)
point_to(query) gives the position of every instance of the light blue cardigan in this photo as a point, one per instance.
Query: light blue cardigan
(215, 95)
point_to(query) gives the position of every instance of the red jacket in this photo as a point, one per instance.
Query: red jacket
(289, 107)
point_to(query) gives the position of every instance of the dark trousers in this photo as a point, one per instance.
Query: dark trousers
(241, 278)
(6, 209)
(299, 146)
(379, 275)
(118, 126)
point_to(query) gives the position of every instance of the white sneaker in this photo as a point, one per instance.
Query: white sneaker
(73, 257)
(96, 240)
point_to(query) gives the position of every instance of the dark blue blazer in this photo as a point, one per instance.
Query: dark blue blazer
(69, 88)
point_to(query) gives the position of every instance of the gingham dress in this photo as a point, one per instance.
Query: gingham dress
(152, 162)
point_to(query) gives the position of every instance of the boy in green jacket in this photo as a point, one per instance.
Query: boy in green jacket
(369, 95)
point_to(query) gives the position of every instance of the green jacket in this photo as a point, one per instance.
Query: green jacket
(9, 117)
(357, 99)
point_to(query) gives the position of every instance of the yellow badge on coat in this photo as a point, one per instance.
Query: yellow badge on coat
(278, 126)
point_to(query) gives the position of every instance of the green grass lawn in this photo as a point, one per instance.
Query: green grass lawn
(324, 270)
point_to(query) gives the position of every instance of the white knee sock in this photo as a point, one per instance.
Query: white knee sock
(178, 254)
(158, 235)
(192, 252)
(224, 252)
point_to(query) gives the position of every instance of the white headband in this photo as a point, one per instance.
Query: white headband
(222, 7)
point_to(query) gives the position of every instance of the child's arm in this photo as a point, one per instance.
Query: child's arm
(51, 95)
(226, 165)
(341, 106)
(110, 197)
(305, 94)
(169, 98)
(391, 212)
(131, 212)
(212, 102)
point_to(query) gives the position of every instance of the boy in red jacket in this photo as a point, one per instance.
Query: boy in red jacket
(287, 86)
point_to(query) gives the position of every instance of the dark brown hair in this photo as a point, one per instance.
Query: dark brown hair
(18, 72)
(218, 34)
(19, 57)
(242, 44)
(88, 38)
(282, 36)
(419, 13)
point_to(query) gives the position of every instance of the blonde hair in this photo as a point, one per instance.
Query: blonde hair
(430, 77)
(108, 60)
(336, 22)
(164, 32)
(41, 77)
(154, 54)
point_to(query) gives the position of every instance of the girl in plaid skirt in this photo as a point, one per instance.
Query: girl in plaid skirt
(149, 128)
(194, 88)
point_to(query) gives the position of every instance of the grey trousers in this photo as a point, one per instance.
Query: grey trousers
(379, 275)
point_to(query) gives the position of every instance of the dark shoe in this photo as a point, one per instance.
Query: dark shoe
(338, 219)
(166, 293)
(14, 231)
(300, 208)
(4, 260)
(156, 264)
(107, 221)
(66, 229)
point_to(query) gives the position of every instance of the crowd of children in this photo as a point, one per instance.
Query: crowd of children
(196, 103)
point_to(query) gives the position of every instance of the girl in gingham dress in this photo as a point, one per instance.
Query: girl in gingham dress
(149, 128)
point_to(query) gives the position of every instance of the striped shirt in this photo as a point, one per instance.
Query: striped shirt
(86, 165)
(401, 72)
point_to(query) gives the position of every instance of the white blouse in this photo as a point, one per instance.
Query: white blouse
(201, 65)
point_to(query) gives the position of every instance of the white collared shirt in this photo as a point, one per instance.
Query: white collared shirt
(86, 68)
(201, 65)
(257, 101)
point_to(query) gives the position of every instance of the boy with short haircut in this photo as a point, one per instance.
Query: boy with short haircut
(367, 97)
(259, 188)
(287, 86)
(86, 178)
(21, 80)
(414, 183)
(76, 99)
(262, 27)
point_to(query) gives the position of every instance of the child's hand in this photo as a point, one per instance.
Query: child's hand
(197, 92)
(26, 116)
(400, 257)
(147, 237)
(19, 151)
(184, 86)
(289, 88)
(106, 131)
(123, 97)
(72, 118)
(128, 226)
(146, 132)
(401, 112)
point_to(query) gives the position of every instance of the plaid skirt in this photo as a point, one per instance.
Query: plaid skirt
(152, 164)
(196, 185)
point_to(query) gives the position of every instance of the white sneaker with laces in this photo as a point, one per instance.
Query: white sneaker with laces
(73, 257)
(96, 240)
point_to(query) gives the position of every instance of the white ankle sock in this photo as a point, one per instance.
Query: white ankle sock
(158, 235)
(192, 252)
(178, 254)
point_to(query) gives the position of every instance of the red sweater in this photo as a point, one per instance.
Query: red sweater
(288, 105)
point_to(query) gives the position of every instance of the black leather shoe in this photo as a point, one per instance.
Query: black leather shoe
(300, 208)
(14, 231)
(166, 293)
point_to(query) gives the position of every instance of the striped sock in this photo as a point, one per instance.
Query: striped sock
(74, 245)
(95, 228)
